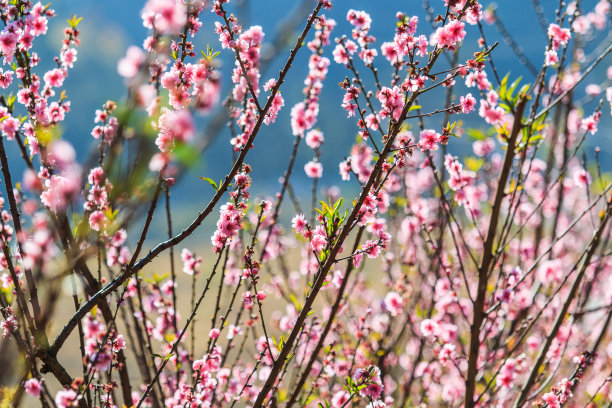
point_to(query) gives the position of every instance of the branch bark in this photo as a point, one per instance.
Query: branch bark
(487, 257)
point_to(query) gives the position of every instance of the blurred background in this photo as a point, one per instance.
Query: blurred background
(109, 27)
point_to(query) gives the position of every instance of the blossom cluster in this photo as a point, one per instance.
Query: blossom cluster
(464, 258)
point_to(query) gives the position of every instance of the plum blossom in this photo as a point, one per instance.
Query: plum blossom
(392, 101)
(314, 139)
(129, 65)
(448, 35)
(174, 125)
(191, 263)
(429, 328)
(299, 223)
(559, 36)
(394, 303)
(33, 387)
(429, 140)
(467, 103)
(165, 16)
(55, 77)
(313, 169)
(66, 398)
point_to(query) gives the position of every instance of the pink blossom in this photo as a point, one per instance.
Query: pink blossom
(360, 19)
(302, 119)
(389, 51)
(483, 147)
(550, 272)
(429, 328)
(581, 177)
(414, 84)
(394, 303)
(467, 103)
(6, 78)
(165, 16)
(318, 242)
(345, 170)
(474, 14)
(8, 44)
(277, 103)
(33, 387)
(491, 114)
(429, 140)
(367, 55)
(233, 331)
(174, 125)
(68, 57)
(314, 139)
(592, 89)
(371, 378)
(9, 127)
(551, 400)
(340, 399)
(299, 223)
(60, 190)
(9, 325)
(392, 101)
(97, 220)
(313, 169)
(590, 124)
(559, 36)
(372, 121)
(351, 95)
(228, 225)
(551, 58)
(55, 77)
(478, 79)
(449, 35)
(421, 44)
(129, 65)
(247, 299)
(342, 53)
(66, 398)
(214, 333)
(371, 249)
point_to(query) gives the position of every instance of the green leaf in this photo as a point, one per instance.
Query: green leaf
(603, 183)
(524, 89)
(414, 107)
(476, 134)
(474, 164)
(211, 182)
(513, 87)
(503, 86)
(74, 21)
(295, 302)
(186, 154)
(505, 107)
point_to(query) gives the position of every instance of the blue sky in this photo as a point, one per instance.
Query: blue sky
(109, 27)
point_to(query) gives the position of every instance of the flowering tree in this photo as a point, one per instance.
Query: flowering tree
(481, 280)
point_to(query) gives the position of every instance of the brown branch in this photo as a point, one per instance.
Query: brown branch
(483, 271)
(135, 267)
(563, 312)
